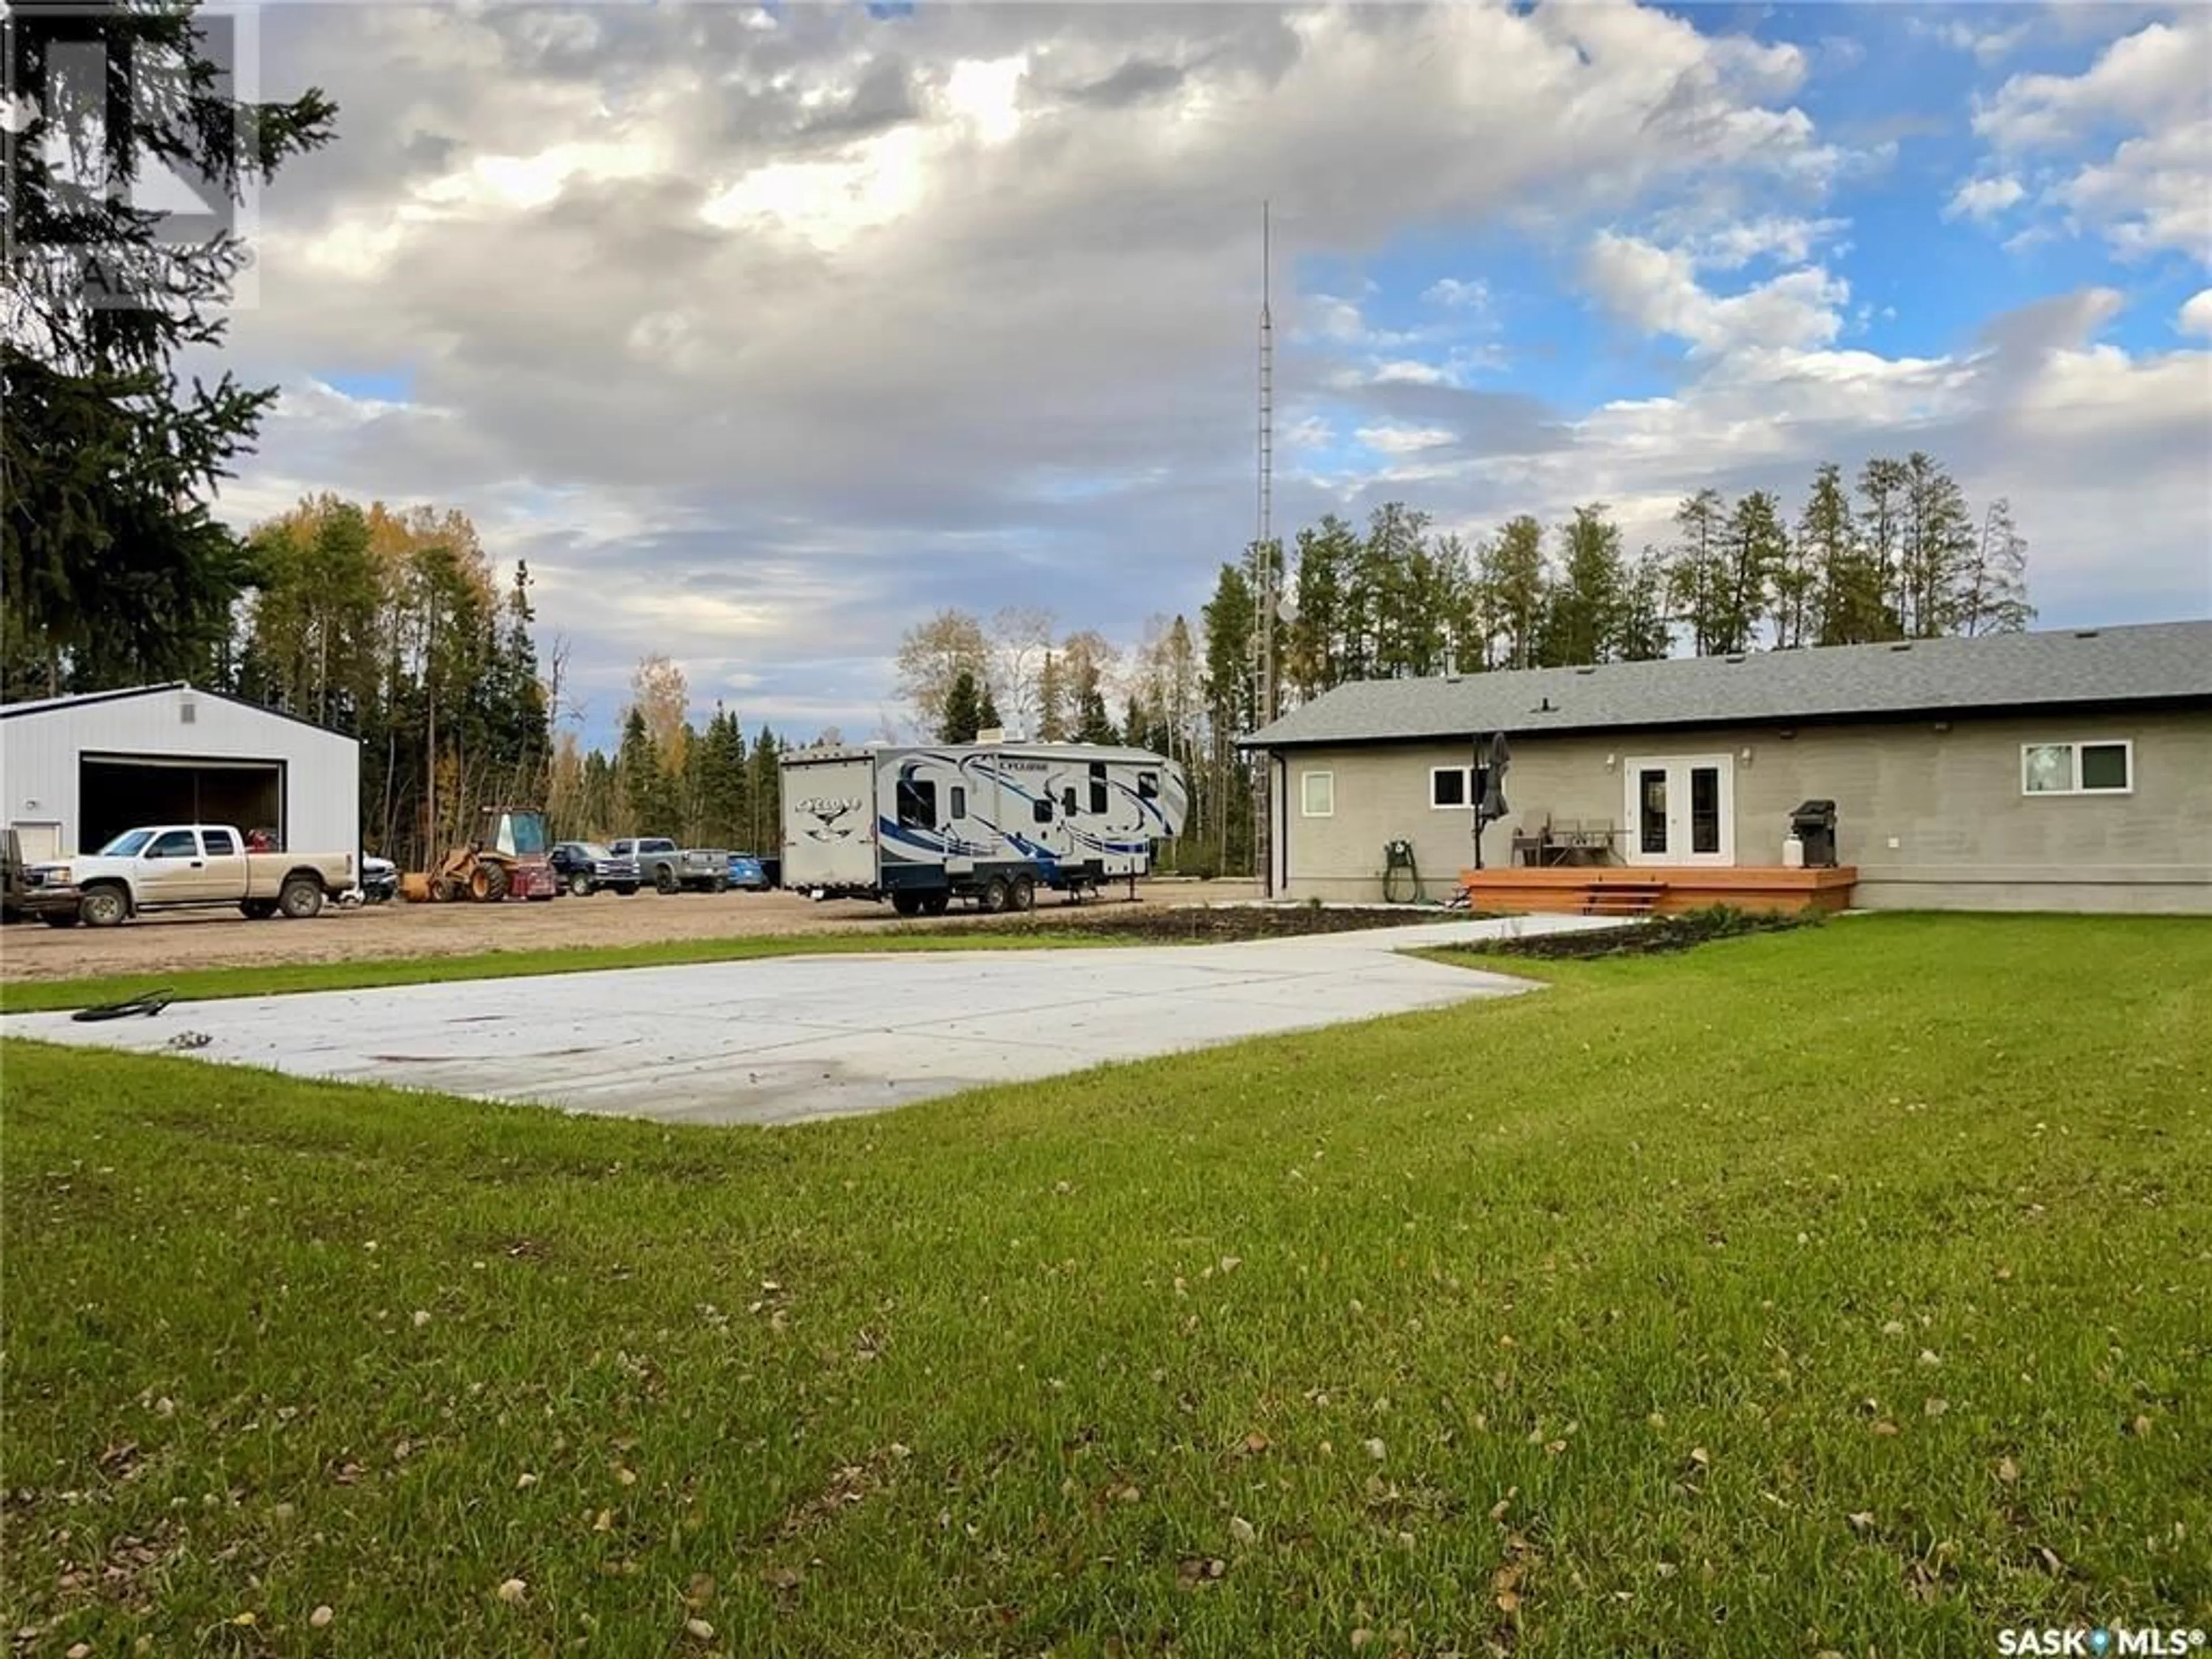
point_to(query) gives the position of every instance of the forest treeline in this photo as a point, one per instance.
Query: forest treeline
(397, 627)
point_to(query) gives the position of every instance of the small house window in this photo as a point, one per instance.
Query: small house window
(1317, 794)
(917, 805)
(2077, 769)
(1448, 786)
(959, 801)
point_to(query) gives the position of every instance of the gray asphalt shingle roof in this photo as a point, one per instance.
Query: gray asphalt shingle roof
(2150, 661)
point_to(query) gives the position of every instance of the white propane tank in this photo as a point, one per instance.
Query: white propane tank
(1793, 852)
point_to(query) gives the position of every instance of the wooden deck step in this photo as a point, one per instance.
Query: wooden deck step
(1622, 898)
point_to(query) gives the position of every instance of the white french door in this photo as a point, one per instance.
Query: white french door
(1681, 809)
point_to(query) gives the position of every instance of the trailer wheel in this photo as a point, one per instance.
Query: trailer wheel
(907, 904)
(995, 895)
(937, 904)
(1024, 893)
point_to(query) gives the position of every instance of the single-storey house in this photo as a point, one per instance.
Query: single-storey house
(2069, 769)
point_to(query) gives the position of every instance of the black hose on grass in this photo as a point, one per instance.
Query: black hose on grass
(152, 1003)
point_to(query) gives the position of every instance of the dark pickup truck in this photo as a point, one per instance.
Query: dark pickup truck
(584, 867)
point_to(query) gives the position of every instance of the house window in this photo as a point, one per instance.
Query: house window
(2077, 769)
(1457, 788)
(1317, 792)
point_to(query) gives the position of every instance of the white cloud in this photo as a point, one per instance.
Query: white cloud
(1412, 372)
(1453, 292)
(2154, 193)
(1987, 45)
(2149, 97)
(2158, 72)
(1785, 240)
(2196, 315)
(1403, 440)
(1983, 199)
(1657, 289)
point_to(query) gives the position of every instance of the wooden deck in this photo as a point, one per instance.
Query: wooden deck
(1644, 890)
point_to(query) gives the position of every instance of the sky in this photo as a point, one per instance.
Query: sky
(763, 333)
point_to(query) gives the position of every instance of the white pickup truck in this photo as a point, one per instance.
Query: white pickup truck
(174, 866)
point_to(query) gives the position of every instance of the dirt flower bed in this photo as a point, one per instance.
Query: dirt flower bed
(1223, 924)
(1658, 936)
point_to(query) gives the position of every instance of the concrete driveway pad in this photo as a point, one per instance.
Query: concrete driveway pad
(787, 1038)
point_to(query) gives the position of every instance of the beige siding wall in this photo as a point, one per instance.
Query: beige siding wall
(1931, 819)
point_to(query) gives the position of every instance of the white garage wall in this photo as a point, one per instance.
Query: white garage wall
(40, 745)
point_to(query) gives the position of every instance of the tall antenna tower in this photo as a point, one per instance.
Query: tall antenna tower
(1265, 571)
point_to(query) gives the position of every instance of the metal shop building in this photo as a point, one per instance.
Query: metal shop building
(75, 772)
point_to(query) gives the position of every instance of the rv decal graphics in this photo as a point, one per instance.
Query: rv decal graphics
(826, 811)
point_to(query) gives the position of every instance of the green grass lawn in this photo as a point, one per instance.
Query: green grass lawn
(277, 979)
(1846, 1290)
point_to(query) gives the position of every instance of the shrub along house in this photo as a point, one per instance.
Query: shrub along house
(2058, 770)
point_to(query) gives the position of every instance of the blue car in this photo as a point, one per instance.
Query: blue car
(745, 872)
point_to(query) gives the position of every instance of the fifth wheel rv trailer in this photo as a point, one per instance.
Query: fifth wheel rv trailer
(990, 823)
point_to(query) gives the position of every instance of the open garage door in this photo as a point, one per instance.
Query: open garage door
(116, 792)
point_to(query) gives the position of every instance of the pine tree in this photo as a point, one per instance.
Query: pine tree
(1644, 635)
(1228, 620)
(1513, 593)
(1757, 548)
(1882, 520)
(1992, 596)
(764, 791)
(1094, 724)
(963, 710)
(112, 570)
(1315, 654)
(1052, 701)
(1843, 604)
(1583, 624)
(643, 786)
(1698, 574)
(987, 712)
(1937, 552)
